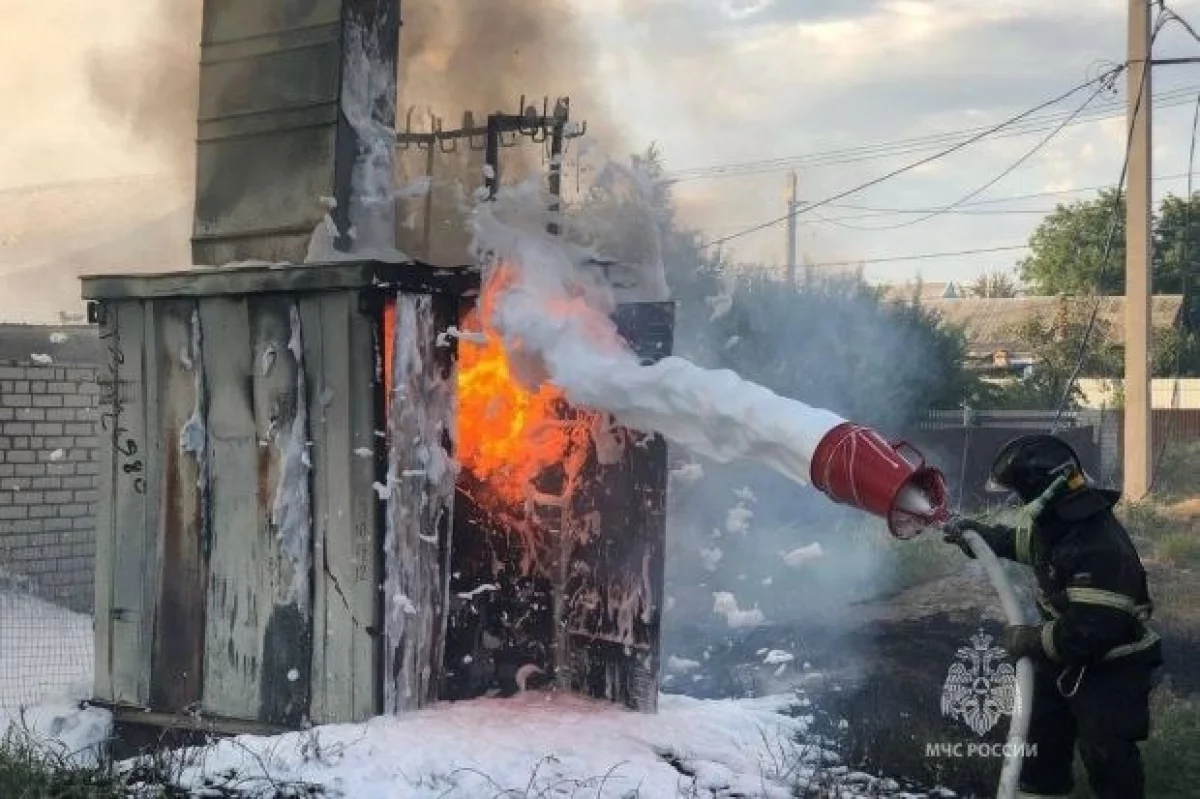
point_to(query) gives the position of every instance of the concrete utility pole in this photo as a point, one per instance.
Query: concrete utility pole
(792, 206)
(1138, 419)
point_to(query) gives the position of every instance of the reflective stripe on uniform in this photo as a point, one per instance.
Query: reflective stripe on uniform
(1047, 637)
(1148, 639)
(1047, 606)
(1024, 534)
(1098, 596)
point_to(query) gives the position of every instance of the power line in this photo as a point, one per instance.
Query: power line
(1100, 86)
(921, 162)
(923, 256)
(1186, 277)
(973, 208)
(884, 211)
(1099, 112)
(1106, 253)
(1169, 15)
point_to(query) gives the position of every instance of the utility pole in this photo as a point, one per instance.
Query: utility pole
(1138, 412)
(792, 206)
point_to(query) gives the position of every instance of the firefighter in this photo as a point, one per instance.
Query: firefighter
(1095, 659)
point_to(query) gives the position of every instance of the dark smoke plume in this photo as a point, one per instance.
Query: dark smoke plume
(455, 55)
(482, 55)
(152, 86)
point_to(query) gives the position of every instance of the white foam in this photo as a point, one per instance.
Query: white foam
(912, 500)
(555, 324)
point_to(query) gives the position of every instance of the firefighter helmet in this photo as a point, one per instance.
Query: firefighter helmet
(1029, 464)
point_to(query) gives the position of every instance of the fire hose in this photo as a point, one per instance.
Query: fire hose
(1018, 728)
(854, 465)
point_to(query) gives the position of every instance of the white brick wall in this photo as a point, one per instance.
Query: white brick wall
(48, 469)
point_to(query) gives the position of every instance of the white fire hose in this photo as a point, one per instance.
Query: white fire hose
(1018, 728)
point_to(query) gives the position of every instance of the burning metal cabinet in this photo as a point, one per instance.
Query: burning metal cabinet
(240, 533)
(282, 534)
(565, 582)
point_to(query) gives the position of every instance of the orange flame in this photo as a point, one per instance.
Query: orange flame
(507, 434)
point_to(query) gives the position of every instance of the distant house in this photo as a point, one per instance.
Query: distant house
(991, 325)
(905, 292)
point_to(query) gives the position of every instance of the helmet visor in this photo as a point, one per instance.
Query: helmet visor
(994, 487)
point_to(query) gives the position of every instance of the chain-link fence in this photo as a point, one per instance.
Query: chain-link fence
(48, 471)
(45, 647)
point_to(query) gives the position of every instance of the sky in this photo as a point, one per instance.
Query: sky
(713, 83)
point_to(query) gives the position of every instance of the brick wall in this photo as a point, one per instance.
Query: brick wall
(48, 461)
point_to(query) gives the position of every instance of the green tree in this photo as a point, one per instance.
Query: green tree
(840, 345)
(1057, 346)
(993, 285)
(1068, 247)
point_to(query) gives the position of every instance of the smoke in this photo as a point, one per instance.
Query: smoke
(483, 55)
(150, 85)
(476, 55)
(750, 552)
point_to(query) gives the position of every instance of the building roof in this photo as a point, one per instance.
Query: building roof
(903, 292)
(64, 344)
(990, 323)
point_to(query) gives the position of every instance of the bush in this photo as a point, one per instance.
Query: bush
(1146, 523)
(29, 770)
(1180, 550)
(919, 561)
(1172, 754)
(1160, 537)
(1176, 473)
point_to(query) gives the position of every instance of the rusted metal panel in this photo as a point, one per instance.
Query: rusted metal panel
(413, 278)
(178, 657)
(420, 483)
(234, 611)
(339, 350)
(574, 581)
(273, 134)
(124, 608)
(106, 522)
(267, 127)
(257, 641)
(284, 508)
(615, 533)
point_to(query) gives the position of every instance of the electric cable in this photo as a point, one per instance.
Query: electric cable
(915, 164)
(1100, 87)
(1186, 270)
(1106, 253)
(1170, 15)
(967, 209)
(868, 152)
(923, 256)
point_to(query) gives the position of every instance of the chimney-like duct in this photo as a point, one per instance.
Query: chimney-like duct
(286, 106)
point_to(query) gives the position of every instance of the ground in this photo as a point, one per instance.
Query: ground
(865, 681)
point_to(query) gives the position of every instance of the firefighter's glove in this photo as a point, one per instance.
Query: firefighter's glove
(953, 530)
(1022, 640)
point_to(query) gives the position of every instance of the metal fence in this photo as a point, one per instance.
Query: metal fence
(45, 647)
(963, 442)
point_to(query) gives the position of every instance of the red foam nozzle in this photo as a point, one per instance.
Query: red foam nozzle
(854, 465)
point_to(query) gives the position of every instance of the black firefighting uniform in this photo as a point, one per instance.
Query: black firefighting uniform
(1098, 658)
